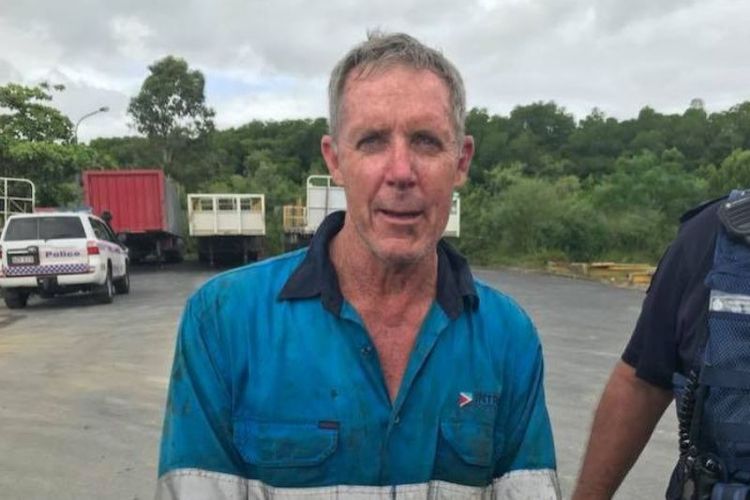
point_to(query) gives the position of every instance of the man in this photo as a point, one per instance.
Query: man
(370, 365)
(682, 336)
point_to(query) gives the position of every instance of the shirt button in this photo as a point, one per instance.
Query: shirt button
(397, 420)
(366, 350)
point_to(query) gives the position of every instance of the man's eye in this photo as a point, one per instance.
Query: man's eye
(371, 142)
(427, 142)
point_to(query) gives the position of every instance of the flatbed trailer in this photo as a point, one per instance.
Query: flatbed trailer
(227, 227)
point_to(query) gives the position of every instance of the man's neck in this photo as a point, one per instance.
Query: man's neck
(364, 278)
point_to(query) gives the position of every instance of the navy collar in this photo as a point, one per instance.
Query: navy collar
(316, 276)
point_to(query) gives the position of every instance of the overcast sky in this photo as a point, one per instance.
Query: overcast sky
(270, 59)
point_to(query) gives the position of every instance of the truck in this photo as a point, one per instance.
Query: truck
(143, 208)
(227, 227)
(17, 196)
(300, 221)
(323, 197)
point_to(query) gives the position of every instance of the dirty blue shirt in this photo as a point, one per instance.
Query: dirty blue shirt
(277, 391)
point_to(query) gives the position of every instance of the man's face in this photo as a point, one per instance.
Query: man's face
(398, 158)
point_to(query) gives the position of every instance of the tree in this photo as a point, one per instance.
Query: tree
(35, 143)
(734, 173)
(27, 117)
(549, 124)
(170, 108)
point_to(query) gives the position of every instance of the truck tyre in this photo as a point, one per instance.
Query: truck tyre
(16, 300)
(122, 285)
(106, 292)
(172, 256)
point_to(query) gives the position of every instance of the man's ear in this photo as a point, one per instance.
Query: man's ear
(331, 156)
(464, 161)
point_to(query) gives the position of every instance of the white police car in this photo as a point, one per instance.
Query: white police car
(60, 252)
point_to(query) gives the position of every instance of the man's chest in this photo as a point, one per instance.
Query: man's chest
(393, 346)
(324, 392)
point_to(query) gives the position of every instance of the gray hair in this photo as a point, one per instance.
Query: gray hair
(381, 51)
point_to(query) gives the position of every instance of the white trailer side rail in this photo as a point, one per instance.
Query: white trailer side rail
(226, 214)
(17, 196)
(323, 198)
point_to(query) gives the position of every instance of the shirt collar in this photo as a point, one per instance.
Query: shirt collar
(316, 276)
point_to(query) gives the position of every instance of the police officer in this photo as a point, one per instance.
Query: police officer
(692, 340)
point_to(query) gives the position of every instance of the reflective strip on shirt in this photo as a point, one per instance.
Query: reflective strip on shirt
(195, 484)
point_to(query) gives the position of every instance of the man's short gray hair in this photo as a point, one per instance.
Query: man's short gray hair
(381, 51)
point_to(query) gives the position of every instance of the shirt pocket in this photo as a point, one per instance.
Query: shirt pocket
(286, 454)
(465, 452)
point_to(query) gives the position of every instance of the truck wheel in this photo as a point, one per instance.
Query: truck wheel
(106, 292)
(122, 285)
(172, 256)
(16, 300)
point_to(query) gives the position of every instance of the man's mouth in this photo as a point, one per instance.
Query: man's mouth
(402, 215)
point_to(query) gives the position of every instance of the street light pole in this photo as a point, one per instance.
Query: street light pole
(103, 109)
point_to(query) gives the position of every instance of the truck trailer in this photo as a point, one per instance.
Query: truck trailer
(142, 207)
(17, 196)
(227, 227)
(323, 197)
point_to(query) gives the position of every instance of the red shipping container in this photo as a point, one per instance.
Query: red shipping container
(140, 201)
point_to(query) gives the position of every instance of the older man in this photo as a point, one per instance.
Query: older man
(372, 364)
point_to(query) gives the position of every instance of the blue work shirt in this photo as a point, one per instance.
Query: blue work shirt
(276, 390)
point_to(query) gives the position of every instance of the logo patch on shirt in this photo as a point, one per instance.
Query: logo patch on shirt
(465, 398)
(478, 399)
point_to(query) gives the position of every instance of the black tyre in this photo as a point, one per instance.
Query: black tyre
(106, 292)
(122, 285)
(16, 300)
(172, 256)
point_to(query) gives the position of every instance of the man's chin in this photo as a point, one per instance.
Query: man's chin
(402, 254)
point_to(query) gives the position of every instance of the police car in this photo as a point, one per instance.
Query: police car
(62, 252)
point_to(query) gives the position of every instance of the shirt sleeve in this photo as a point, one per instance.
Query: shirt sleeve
(652, 349)
(526, 468)
(197, 431)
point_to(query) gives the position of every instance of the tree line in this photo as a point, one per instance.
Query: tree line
(543, 184)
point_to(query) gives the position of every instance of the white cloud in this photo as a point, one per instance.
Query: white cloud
(270, 59)
(131, 35)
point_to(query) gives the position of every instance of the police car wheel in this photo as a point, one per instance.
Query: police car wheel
(16, 300)
(122, 285)
(106, 292)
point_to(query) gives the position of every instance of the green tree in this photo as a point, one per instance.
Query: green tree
(25, 114)
(35, 143)
(549, 123)
(170, 108)
(54, 169)
(733, 173)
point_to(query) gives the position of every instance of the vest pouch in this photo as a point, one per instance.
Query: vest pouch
(286, 454)
(726, 372)
(730, 491)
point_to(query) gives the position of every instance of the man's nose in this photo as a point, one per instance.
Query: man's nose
(400, 169)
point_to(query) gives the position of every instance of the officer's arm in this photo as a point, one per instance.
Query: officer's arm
(629, 410)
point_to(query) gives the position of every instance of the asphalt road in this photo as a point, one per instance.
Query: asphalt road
(82, 386)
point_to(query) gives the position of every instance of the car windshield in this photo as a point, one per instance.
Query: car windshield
(44, 228)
